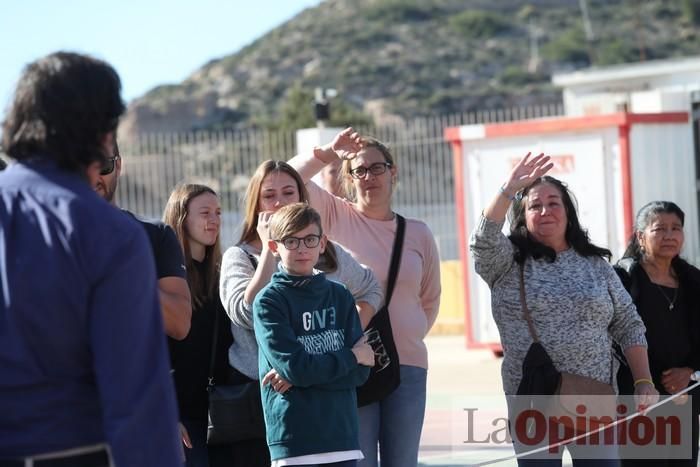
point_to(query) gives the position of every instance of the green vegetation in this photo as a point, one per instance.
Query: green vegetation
(399, 11)
(616, 51)
(568, 47)
(518, 76)
(691, 11)
(476, 24)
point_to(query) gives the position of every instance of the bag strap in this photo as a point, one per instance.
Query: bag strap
(523, 306)
(395, 258)
(214, 339)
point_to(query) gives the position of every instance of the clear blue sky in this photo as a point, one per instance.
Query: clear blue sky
(149, 42)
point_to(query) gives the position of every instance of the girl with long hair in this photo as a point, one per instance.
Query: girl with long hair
(194, 212)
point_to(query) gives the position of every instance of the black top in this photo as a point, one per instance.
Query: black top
(667, 330)
(167, 252)
(190, 357)
(673, 336)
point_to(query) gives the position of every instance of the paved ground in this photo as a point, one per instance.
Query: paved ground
(465, 405)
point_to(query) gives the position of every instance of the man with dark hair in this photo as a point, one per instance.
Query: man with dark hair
(175, 300)
(3, 164)
(84, 377)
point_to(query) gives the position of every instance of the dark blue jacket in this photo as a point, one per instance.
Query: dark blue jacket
(83, 358)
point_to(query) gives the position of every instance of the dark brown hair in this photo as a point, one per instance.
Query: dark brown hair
(576, 236)
(63, 107)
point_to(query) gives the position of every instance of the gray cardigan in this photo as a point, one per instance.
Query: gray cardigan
(236, 272)
(578, 305)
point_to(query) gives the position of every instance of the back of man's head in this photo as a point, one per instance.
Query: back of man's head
(64, 105)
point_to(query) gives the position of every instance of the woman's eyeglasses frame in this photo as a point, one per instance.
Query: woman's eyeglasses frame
(375, 169)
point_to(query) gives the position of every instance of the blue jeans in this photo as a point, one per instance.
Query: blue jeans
(197, 456)
(609, 455)
(395, 423)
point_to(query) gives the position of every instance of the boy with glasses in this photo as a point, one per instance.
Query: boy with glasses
(312, 352)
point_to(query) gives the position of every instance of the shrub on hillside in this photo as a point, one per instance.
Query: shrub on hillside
(477, 24)
(398, 11)
(568, 47)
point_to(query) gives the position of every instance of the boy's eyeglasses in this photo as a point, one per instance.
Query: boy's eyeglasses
(377, 168)
(292, 243)
(109, 165)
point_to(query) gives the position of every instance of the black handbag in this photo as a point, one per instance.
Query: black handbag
(235, 410)
(385, 375)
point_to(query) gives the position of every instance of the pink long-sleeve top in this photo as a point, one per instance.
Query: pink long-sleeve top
(416, 298)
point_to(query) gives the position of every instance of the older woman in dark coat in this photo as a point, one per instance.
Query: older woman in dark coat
(665, 289)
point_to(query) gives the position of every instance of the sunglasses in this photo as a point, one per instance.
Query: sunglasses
(109, 165)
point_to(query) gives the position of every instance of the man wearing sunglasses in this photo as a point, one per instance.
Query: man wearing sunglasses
(84, 374)
(175, 300)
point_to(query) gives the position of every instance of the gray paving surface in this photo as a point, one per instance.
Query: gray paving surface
(462, 382)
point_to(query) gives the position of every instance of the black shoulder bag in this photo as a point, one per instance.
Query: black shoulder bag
(235, 410)
(385, 376)
(567, 390)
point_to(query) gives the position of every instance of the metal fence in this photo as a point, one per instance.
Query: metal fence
(153, 164)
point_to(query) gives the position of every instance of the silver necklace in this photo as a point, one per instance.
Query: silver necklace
(671, 303)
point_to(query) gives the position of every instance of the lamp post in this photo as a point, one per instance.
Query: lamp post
(322, 106)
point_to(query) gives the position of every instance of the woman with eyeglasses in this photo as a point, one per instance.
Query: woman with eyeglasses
(194, 212)
(366, 226)
(248, 267)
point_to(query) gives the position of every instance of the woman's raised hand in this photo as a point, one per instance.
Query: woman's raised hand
(263, 227)
(527, 171)
(347, 144)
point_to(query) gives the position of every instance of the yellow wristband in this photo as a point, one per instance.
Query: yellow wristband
(643, 380)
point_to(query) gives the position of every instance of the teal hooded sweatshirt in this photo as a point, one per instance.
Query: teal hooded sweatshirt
(305, 327)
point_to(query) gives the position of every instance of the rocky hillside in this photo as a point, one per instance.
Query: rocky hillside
(407, 58)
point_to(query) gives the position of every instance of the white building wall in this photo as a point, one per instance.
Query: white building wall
(663, 168)
(650, 87)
